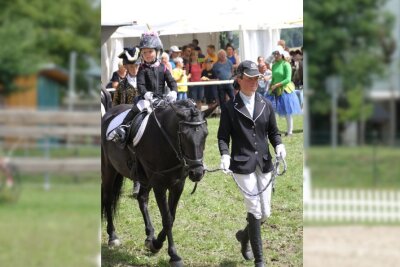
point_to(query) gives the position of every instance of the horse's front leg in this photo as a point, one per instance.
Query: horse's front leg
(143, 200)
(168, 209)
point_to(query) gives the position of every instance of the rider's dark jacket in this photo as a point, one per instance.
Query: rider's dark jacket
(153, 79)
(249, 134)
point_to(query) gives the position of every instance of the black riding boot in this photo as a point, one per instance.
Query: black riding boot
(255, 240)
(243, 237)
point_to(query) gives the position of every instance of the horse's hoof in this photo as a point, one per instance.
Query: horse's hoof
(149, 244)
(114, 243)
(176, 263)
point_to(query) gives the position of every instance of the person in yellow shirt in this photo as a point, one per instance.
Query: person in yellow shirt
(210, 54)
(180, 76)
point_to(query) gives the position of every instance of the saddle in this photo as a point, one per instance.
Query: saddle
(133, 127)
(136, 123)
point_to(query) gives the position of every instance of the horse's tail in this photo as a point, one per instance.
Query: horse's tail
(112, 197)
(111, 187)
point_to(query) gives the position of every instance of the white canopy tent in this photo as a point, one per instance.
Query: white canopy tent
(258, 21)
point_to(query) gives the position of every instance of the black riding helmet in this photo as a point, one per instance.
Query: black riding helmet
(151, 40)
(130, 55)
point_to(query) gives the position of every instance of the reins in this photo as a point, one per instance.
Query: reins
(275, 172)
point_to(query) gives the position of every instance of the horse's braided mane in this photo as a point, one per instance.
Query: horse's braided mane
(187, 105)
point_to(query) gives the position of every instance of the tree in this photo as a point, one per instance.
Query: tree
(351, 39)
(46, 31)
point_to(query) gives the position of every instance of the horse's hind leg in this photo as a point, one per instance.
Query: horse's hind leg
(143, 200)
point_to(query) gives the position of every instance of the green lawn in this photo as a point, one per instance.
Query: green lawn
(361, 167)
(207, 221)
(58, 227)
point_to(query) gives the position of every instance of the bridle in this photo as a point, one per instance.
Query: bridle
(184, 161)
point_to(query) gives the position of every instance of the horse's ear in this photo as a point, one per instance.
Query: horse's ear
(208, 111)
(181, 114)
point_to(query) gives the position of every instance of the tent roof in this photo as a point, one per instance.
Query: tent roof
(207, 16)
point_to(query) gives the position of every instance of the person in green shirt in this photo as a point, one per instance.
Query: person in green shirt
(281, 91)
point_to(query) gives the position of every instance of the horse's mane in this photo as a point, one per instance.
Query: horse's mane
(186, 108)
(187, 103)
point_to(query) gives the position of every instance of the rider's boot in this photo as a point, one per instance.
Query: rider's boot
(243, 237)
(255, 240)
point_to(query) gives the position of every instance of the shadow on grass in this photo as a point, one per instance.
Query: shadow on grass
(119, 257)
(227, 263)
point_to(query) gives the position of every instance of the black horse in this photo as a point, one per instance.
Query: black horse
(170, 150)
(106, 100)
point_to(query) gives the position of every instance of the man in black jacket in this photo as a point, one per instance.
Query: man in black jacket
(249, 121)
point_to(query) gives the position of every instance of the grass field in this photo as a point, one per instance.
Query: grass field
(206, 222)
(58, 227)
(361, 167)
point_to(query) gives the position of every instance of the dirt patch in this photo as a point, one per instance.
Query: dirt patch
(351, 246)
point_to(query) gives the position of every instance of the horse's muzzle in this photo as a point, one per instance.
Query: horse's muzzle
(196, 174)
(196, 169)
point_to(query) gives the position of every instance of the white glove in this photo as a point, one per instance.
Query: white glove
(171, 96)
(142, 104)
(148, 96)
(280, 150)
(225, 163)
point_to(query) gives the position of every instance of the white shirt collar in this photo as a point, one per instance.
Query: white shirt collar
(248, 102)
(131, 80)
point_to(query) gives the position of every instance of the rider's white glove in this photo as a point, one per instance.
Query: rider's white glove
(148, 96)
(225, 162)
(281, 151)
(171, 96)
(142, 104)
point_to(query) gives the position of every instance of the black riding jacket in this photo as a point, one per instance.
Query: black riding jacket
(153, 79)
(249, 134)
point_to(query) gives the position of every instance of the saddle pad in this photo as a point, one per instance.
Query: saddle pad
(140, 132)
(117, 121)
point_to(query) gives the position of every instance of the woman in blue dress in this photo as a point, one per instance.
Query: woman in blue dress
(281, 91)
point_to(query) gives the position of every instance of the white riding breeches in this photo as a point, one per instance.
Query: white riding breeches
(259, 206)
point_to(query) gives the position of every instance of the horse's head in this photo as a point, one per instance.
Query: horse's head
(192, 136)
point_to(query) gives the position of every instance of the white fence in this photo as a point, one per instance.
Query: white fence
(342, 205)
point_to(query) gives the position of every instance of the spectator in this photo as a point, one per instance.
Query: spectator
(283, 44)
(187, 50)
(211, 54)
(210, 91)
(281, 90)
(260, 59)
(297, 76)
(200, 55)
(165, 61)
(263, 83)
(174, 53)
(195, 43)
(193, 70)
(232, 56)
(180, 76)
(223, 70)
(118, 75)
